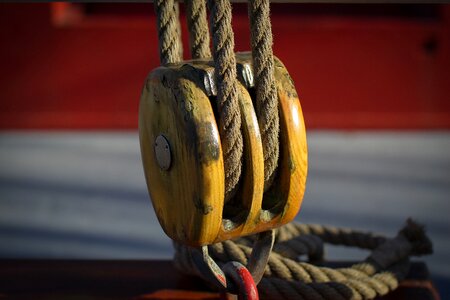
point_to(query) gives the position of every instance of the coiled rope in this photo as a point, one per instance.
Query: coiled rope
(286, 277)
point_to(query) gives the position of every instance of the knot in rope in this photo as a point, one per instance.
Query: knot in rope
(411, 240)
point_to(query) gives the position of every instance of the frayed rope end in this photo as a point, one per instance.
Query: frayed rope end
(415, 233)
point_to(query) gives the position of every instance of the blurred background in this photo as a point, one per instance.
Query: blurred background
(374, 83)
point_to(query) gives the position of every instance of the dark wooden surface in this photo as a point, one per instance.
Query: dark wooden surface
(135, 279)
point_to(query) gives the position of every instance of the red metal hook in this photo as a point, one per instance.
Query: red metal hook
(242, 279)
(235, 278)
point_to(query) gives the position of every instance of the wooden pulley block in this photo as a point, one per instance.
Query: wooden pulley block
(183, 160)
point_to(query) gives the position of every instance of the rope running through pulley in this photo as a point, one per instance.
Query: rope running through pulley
(287, 274)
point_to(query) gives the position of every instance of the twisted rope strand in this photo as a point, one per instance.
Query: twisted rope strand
(227, 94)
(331, 235)
(266, 93)
(169, 31)
(198, 29)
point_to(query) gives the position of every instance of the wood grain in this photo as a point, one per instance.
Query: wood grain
(187, 198)
(290, 185)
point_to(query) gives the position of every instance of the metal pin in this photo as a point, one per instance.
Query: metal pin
(162, 152)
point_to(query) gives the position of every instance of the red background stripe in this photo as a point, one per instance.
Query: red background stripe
(379, 67)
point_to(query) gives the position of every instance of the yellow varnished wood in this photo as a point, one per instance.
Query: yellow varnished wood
(293, 165)
(187, 198)
(240, 214)
(282, 201)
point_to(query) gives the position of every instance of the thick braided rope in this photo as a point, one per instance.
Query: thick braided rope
(198, 28)
(169, 31)
(329, 234)
(266, 93)
(296, 239)
(288, 278)
(227, 94)
(344, 283)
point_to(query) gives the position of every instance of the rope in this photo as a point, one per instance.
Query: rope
(227, 95)
(198, 29)
(330, 235)
(287, 277)
(169, 31)
(266, 93)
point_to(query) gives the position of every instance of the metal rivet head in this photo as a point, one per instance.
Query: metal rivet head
(162, 152)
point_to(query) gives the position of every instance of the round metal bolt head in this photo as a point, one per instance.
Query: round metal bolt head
(162, 152)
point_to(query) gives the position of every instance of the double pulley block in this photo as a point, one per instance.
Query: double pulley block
(183, 159)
